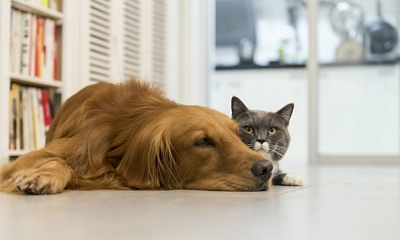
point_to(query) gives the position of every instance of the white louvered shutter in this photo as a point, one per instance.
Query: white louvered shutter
(144, 39)
(99, 41)
(131, 37)
(159, 42)
(123, 38)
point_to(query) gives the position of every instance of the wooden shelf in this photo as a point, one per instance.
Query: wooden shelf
(16, 153)
(35, 81)
(37, 9)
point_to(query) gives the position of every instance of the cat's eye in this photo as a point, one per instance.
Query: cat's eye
(272, 131)
(249, 130)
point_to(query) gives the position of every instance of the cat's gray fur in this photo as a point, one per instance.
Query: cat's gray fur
(267, 133)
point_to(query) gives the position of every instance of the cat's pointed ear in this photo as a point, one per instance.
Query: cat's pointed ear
(238, 107)
(286, 112)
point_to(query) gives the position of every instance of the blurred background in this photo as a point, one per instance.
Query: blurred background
(336, 60)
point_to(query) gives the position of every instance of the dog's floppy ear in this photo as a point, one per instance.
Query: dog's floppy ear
(148, 162)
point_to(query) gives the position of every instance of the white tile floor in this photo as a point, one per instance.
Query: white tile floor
(337, 202)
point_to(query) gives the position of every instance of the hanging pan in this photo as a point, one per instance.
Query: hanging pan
(381, 37)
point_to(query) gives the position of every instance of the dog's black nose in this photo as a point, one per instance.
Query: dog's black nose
(262, 169)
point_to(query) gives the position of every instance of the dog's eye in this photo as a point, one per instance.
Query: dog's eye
(249, 130)
(272, 131)
(205, 142)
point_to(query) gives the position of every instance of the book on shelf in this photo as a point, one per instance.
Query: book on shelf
(46, 110)
(39, 47)
(15, 46)
(55, 53)
(30, 116)
(33, 48)
(25, 44)
(45, 3)
(48, 49)
(14, 99)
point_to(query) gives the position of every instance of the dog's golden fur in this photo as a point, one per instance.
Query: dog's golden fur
(129, 136)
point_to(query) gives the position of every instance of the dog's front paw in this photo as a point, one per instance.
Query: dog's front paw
(293, 180)
(38, 182)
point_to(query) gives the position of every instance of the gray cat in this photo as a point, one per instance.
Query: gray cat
(267, 133)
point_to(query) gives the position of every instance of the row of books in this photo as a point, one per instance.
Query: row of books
(31, 111)
(50, 4)
(33, 49)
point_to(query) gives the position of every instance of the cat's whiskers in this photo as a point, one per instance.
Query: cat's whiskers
(278, 147)
(278, 151)
(250, 145)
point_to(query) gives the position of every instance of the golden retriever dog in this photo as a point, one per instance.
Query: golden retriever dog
(129, 136)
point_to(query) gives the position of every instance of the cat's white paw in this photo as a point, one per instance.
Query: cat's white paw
(293, 180)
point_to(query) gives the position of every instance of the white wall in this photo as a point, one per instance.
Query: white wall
(189, 60)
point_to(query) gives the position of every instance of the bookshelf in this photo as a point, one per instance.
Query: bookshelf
(48, 78)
